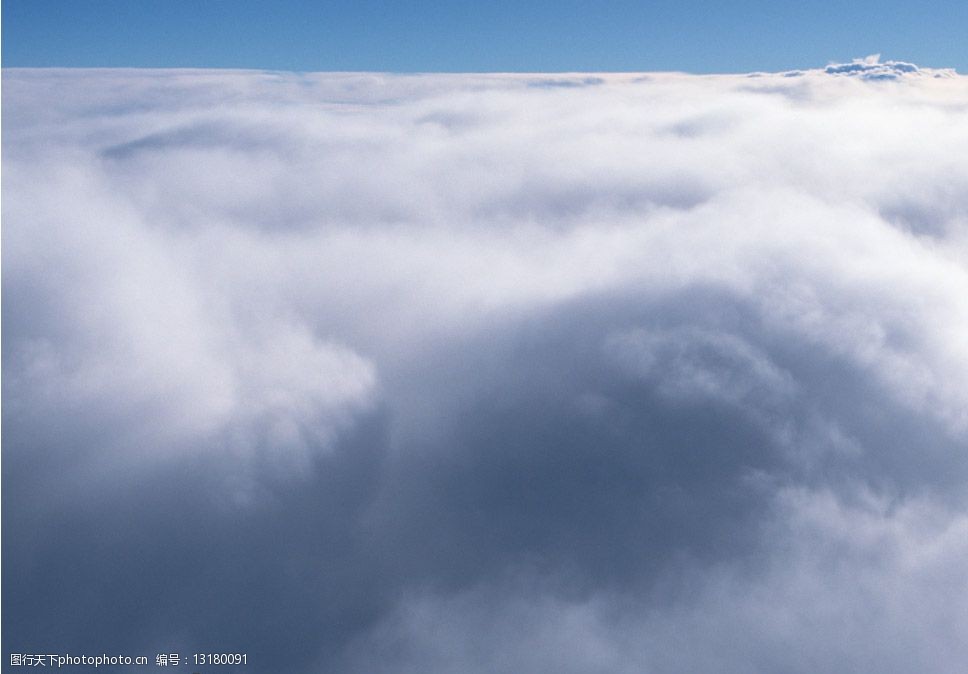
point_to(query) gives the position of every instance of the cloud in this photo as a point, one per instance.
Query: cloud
(362, 372)
(853, 587)
(870, 68)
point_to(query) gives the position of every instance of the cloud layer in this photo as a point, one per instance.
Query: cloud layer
(488, 373)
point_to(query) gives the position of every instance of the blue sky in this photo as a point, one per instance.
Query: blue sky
(440, 35)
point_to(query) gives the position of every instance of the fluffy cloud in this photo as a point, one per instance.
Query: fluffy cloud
(489, 372)
(870, 68)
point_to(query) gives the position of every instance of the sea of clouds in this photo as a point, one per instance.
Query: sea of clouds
(377, 373)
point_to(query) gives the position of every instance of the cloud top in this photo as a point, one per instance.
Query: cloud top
(432, 373)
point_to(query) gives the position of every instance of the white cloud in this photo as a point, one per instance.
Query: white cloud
(121, 321)
(592, 329)
(871, 68)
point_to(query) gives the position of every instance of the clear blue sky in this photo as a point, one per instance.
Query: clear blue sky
(484, 35)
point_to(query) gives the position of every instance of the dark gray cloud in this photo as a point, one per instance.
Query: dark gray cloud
(365, 373)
